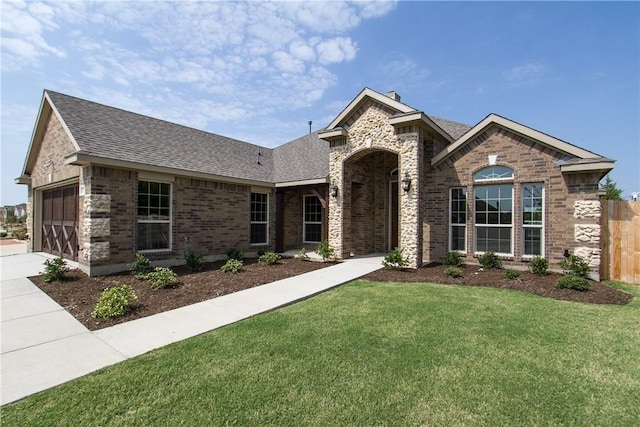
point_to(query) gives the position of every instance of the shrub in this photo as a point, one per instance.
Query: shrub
(193, 260)
(261, 252)
(453, 258)
(511, 274)
(235, 253)
(325, 251)
(572, 281)
(3, 234)
(302, 255)
(114, 302)
(453, 271)
(395, 260)
(269, 258)
(490, 260)
(575, 266)
(19, 232)
(161, 277)
(232, 265)
(140, 267)
(539, 265)
(54, 270)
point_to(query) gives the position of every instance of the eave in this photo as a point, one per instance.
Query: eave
(421, 119)
(520, 129)
(84, 159)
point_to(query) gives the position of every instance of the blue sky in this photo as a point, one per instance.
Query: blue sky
(260, 71)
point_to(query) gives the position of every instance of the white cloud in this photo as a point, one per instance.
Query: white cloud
(525, 74)
(204, 62)
(335, 50)
(22, 39)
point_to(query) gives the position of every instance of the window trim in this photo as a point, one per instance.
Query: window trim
(251, 222)
(158, 221)
(305, 222)
(510, 226)
(541, 226)
(461, 225)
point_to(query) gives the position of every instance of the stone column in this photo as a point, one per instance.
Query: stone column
(410, 218)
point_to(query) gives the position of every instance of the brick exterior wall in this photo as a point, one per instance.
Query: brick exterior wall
(48, 171)
(210, 217)
(293, 221)
(531, 162)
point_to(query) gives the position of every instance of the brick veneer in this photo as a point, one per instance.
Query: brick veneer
(531, 162)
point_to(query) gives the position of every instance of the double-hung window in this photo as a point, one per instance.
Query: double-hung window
(458, 220)
(312, 220)
(154, 216)
(493, 211)
(532, 219)
(259, 219)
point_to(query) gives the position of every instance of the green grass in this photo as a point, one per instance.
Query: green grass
(376, 354)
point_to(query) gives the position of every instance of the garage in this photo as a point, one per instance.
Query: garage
(60, 222)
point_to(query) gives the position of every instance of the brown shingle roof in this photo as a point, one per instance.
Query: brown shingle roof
(112, 133)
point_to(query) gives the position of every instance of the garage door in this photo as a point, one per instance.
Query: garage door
(60, 222)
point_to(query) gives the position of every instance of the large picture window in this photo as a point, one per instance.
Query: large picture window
(494, 218)
(259, 219)
(312, 220)
(154, 216)
(458, 219)
(532, 219)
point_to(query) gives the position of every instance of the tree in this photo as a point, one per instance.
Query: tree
(610, 189)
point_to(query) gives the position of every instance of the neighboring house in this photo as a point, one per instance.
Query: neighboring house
(12, 214)
(105, 183)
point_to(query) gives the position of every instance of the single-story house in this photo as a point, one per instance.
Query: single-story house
(104, 183)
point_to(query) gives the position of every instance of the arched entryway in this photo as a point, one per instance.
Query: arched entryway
(371, 202)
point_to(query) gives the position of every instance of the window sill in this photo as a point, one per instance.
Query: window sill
(155, 251)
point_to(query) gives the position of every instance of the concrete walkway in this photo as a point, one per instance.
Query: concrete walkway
(44, 346)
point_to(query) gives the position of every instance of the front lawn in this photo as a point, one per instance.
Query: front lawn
(377, 354)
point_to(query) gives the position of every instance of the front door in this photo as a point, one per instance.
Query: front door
(60, 221)
(393, 215)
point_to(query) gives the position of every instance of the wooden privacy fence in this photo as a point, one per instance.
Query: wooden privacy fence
(620, 241)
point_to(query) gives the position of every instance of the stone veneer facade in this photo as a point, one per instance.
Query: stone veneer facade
(361, 173)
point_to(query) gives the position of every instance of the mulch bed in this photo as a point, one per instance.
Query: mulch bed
(79, 293)
(598, 293)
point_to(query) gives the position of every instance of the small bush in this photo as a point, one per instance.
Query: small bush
(261, 252)
(140, 267)
(114, 302)
(575, 266)
(232, 265)
(19, 232)
(453, 258)
(325, 251)
(572, 281)
(269, 258)
(162, 277)
(54, 270)
(193, 260)
(395, 260)
(302, 255)
(490, 260)
(3, 234)
(453, 271)
(539, 266)
(235, 253)
(511, 274)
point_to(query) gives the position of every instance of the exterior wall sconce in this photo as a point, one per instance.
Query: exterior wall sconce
(406, 182)
(333, 189)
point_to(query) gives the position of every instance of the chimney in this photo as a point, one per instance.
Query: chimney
(393, 95)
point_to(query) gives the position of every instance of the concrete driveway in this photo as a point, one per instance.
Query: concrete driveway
(44, 346)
